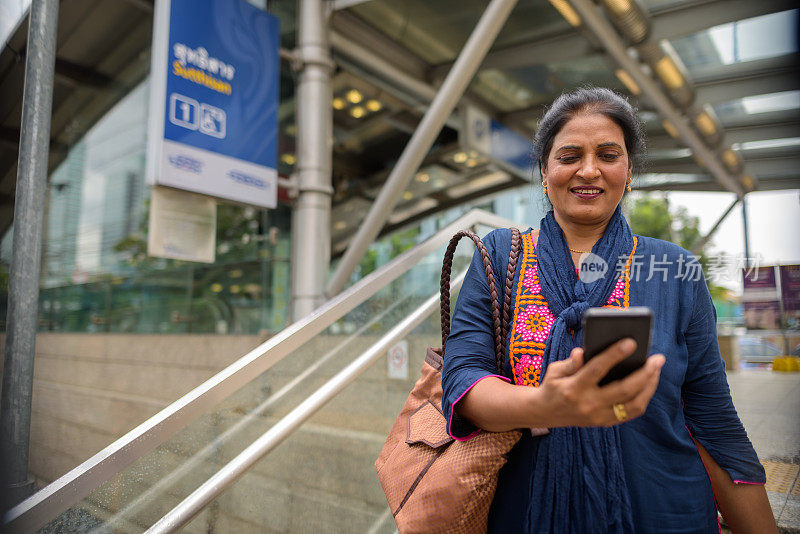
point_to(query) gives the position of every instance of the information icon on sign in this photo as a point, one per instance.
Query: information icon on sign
(184, 111)
(212, 121)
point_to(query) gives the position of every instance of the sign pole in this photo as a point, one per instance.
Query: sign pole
(744, 233)
(23, 296)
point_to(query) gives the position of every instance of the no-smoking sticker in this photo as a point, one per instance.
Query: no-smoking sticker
(397, 360)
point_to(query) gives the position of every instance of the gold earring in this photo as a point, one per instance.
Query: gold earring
(628, 182)
(545, 187)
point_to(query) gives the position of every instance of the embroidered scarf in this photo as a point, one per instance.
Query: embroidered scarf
(578, 483)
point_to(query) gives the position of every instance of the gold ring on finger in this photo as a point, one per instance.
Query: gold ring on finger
(620, 412)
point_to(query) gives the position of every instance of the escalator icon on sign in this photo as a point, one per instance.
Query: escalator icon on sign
(212, 121)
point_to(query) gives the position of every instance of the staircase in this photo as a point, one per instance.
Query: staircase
(282, 440)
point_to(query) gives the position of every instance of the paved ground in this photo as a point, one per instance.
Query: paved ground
(769, 405)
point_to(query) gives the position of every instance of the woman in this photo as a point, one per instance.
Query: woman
(628, 456)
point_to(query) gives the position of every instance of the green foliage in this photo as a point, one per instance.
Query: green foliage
(133, 247)
(236, 225)
(133, 250)
(650, 216)
(720, 293)
(399, 242)
(687, 229)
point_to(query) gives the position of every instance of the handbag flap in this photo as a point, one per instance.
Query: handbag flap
(427, 425)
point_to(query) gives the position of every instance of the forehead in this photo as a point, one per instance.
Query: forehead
(589, 129)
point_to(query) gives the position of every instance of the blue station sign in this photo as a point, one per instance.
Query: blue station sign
(499, 143)
(214, 100)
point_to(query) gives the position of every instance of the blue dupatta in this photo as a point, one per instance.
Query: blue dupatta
(578, 484)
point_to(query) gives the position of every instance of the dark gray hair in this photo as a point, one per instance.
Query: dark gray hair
(592, 99)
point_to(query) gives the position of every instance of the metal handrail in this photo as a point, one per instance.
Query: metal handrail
(236, 468)
(188, 466)
(46, 504)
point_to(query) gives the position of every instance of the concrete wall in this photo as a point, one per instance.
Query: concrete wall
(90, 389)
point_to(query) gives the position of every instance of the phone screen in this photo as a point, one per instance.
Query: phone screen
(602, 327)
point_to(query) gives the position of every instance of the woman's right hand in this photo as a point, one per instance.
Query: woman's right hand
(569, 395)
(572, 396)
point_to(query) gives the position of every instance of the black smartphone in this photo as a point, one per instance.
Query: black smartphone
(602, 327)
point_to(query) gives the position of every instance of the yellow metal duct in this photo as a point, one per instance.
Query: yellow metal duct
(669, 70)
(707, 124)
(630, 18)
(567, 12)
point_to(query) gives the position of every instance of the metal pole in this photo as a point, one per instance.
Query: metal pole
(448, 96)
(23, 295)
(698, 247)
(311, 234)
(394, 75)
(613, 44)
(745, 232)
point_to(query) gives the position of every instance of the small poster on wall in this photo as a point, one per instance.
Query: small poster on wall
(761, 299)
(183, 225)
(772, 297)
(790, 292)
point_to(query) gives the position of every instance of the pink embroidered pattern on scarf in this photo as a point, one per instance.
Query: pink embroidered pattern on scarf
(533, 318)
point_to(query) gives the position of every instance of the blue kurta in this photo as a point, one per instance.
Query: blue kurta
(669, 487)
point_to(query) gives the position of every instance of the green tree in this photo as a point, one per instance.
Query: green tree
(651, 216)
(399, 242)
(686, 229)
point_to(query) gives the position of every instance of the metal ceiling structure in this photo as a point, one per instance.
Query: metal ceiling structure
(718, 115)
(102, 53)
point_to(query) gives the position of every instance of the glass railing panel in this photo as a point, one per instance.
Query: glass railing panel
(323, 478)
(138, 496)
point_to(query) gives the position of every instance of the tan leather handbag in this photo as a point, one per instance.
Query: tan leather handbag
(432, 482)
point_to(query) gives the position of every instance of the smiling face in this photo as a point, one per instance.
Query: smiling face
(586, 170)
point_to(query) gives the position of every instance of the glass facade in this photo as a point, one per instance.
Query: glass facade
(11, 14)
(96, 275)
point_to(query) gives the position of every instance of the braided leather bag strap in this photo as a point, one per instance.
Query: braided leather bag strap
(513, 256)
(501, 322)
